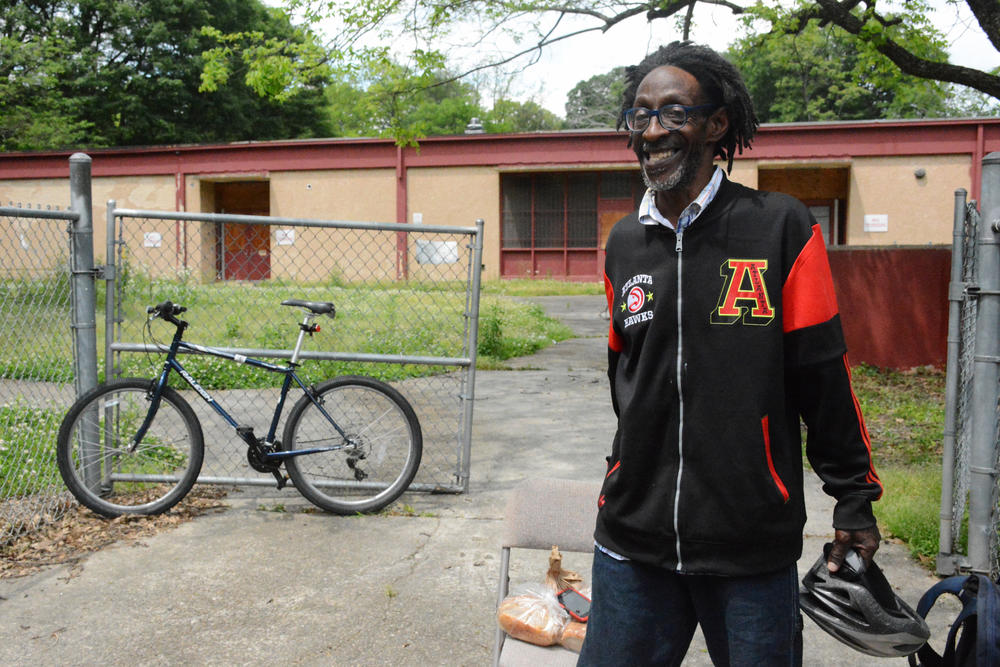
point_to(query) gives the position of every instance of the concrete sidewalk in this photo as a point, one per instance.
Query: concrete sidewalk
(247, 586)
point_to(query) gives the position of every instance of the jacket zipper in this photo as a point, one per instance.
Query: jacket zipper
(680, 401)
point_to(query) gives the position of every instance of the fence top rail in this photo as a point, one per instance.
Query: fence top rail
(292, 222)
(316, 355)
(19, 212)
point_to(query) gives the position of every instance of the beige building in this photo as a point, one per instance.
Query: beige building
(548, 199)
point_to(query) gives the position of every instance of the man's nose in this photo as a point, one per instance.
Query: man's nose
(654, 131)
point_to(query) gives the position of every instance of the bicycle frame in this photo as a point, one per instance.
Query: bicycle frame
(171, 363)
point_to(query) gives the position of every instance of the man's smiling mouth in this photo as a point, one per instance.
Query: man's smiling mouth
(659, 156)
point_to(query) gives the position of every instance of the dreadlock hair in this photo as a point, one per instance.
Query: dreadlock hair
(720, 82)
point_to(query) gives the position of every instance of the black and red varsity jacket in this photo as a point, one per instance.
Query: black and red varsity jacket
(720, 338)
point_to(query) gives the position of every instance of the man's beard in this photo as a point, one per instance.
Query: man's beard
(682, 177)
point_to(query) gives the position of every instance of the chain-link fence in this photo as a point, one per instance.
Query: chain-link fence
(407, 306)
(970, 503)
(36, 363)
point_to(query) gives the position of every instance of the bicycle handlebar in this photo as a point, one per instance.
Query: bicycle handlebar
(167, 310)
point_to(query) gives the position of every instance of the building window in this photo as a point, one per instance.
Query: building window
(554, 224)
(558, 210)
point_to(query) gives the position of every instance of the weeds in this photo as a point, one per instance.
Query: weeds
(27, 449)
(904, 412)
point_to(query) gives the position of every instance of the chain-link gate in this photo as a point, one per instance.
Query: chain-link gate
(970, 493)
(407, 308)
(36, 363)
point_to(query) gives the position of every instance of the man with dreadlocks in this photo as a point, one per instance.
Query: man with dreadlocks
(724, 331)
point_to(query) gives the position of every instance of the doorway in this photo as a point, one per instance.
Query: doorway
(243, 251)
(823, 189)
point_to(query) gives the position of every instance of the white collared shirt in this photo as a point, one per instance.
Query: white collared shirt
(650, 215)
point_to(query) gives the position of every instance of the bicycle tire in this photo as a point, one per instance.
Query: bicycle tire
(93, 457)
(387, 450)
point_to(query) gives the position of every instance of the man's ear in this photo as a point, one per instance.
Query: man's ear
(717, 124)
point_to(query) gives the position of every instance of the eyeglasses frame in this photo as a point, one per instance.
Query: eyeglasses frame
(630, 114)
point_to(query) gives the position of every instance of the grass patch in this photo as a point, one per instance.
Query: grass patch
(547, 287)
(28, 449)
(508, 329)
(910, 509)
(904, 412)
(388, 319)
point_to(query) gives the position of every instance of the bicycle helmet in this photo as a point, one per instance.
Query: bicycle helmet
(859, 608)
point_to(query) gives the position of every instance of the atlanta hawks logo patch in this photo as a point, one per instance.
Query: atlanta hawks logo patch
(636, 299)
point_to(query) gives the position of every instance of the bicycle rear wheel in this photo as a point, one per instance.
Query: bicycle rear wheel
(373, 465)
(110, 476)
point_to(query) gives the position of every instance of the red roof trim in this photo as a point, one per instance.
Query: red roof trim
(792, 141)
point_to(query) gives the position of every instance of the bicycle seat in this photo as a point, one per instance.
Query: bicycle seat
(318, 307)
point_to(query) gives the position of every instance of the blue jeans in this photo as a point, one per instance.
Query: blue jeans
(645, 615)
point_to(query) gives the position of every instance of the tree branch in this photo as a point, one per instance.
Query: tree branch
(987, 12)
(839, 13)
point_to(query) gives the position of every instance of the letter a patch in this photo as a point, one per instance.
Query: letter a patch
(744, 296)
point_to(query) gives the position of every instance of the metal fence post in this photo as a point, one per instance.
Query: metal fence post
(956, 295)
(84, 321)
(982, 458)
(470, 392)
(84, 297)
(111, 277)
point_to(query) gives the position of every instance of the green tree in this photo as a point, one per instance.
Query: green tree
(389, 99)
(898, 31)
(596, 102)
(820, 74)
(105, 72)
(32, 63)
(511, 116)
(392, 100)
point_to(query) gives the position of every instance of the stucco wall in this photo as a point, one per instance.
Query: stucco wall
(343, 194)
(744, 172)
(331, 255)
(149, 192)
(920, 210)
(457, 197)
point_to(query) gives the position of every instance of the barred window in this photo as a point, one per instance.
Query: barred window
(550, 210)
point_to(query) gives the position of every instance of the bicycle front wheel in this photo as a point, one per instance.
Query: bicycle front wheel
(112, 475)
(371, 463)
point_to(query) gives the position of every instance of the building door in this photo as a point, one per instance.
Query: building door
(246, 252)
(243, 250)
(827, 214)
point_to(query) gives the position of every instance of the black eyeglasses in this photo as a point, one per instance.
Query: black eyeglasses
(671, 116)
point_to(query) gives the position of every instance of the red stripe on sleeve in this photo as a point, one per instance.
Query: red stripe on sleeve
(808, 297)
(872, 476)
(614, 340)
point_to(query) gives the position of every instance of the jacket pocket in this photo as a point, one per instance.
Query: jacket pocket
(612, 469)
(780, 485)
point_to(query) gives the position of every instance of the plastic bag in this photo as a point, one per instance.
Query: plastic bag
(573, 635)
(533, 616)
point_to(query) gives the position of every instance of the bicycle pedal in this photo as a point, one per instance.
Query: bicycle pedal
(282, 480)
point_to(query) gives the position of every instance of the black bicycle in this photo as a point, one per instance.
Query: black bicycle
(135, 446)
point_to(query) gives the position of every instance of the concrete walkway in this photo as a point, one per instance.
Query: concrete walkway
(247, 586)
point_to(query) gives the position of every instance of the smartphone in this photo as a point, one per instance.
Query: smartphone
(576, 604)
